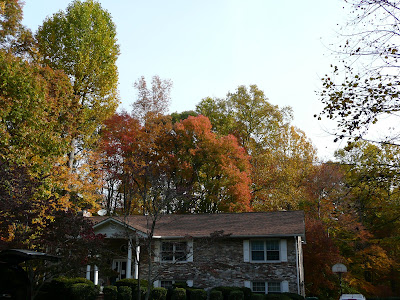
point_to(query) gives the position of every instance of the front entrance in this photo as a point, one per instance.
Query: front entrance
(119, 265)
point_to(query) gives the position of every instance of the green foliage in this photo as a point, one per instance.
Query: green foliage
(180, 294)
(226, 290)
(83, 291)
(132, 283)
(276, 297)
(236, 295)
(247, 292)
(216, 295)
(198, 294)
(110, 292)
(255, 296)
(124, 293)
(158, 293)
(294, 296)
(89, 60)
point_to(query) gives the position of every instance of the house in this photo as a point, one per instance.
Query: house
(259, 250)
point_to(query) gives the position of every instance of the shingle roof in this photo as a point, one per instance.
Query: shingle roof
(279, 223)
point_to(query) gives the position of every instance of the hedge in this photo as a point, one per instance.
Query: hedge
(178, 294)
(257, 296)
(110, 292)
(124, 293)
(158, 293)
(236, 295)
(216, 295)
(83, 291)
(198, 294)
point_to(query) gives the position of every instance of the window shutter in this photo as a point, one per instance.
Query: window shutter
(157, 250)
(157, 283)
(285, 286)
(189, 283)
(246, 251)
(247, 284)
(189, 255)
(283, 250)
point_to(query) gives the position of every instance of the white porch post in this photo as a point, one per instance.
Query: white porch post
(129, 261)
(137, 262)
(88, 272)
(96, 275)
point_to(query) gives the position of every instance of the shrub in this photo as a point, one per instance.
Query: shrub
(294, 296)
(216, 295)
(277, 297)
(158, 293)
(226, 290)
(110, 292)
(179, 294)
(124, 293)
(257, 296)
(60, 287)
(198, 294)
(83, 291)
(246, 292)
(132, 283)
(236, 295)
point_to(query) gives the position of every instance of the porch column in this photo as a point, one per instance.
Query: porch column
(96, 275)
(137, 252)
(129, 261)
(88, 272)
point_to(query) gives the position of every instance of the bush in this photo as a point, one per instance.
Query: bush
(216, 295)
(83, 291)
(179, 294)
(257, 297)
(60, 287)
(124, 293)
(198, 294)
(294, 296)
(158, 293)
(110, 292)
(246, 292)
(226, 290)
(132, 283)
(277, 297)
(236, 295)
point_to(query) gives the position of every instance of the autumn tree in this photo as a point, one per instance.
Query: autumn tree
(82, 43)
(361, 93)
(281, 155)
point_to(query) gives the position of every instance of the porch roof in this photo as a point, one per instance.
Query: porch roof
(252, 224)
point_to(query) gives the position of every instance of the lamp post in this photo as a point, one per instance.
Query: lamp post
(340, 269)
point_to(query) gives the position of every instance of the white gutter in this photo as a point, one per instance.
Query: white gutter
(297, 264)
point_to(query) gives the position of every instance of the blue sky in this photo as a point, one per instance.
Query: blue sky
(209, 47)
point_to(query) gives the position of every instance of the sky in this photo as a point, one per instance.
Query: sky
(210, 47)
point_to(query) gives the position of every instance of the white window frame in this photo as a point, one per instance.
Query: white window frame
(283, 286)
(265, 251)
(247, 251)
(174, 251)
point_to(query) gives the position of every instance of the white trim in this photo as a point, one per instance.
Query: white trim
(297, 264)
(96, 275)
(285, 286)
(157, 283)
(157, 251)
(189, 283)
(246, 250)
(247, 284)
(189, 255)
(283, 250)
(88, 272)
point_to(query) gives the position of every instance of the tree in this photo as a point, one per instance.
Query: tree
(151, 102)
(82, 43)
(281, 155)
(364, 91)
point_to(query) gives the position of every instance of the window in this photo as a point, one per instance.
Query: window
(267, 250)
(173, 251)
(274, 287)
(258, 287)
(262, 287)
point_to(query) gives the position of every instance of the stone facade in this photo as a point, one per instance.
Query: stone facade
(221, 263)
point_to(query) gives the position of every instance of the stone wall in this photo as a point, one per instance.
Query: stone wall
(221, 263)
